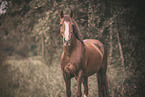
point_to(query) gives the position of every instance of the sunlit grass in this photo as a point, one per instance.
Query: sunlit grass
(31, 77)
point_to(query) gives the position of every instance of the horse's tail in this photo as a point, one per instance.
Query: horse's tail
(102, 78)
(102, 84)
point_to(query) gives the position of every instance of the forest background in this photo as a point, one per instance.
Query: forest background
(31, 46)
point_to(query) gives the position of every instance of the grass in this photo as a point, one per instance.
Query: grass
(31, 77)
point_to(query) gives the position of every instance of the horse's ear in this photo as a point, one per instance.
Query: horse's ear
(61, 14)
(71, 14)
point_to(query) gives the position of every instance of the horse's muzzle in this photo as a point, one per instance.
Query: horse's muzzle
(67, 42)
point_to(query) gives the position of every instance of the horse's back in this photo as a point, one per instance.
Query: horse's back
(94, 55)
(96, 43)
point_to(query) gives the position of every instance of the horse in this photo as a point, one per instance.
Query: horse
(81, 58)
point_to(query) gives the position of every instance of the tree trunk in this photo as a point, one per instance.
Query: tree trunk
(42, 44)
(111, 44)
(121, 57)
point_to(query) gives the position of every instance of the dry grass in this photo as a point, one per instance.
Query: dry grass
(32, 78)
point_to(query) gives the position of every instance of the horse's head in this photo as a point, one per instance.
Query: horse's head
(66, 28)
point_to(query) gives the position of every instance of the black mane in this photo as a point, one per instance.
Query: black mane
(76, 30)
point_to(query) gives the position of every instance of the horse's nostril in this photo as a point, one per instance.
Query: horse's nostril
(68, 64)
(67, 42)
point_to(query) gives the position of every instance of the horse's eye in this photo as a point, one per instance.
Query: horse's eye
(60, 25)
(73, 26)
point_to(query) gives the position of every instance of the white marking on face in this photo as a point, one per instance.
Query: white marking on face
(66, 32)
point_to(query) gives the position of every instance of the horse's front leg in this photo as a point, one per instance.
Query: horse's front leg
(68, 85)
(79, 81)
(85, 83)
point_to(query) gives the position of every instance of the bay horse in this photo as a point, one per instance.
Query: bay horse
(81, 58)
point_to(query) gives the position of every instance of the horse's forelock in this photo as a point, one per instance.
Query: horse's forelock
(67, 18)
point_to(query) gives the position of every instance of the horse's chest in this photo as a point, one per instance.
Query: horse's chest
(72, 64)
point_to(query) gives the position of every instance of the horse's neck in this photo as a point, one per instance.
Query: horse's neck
(75, 46)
